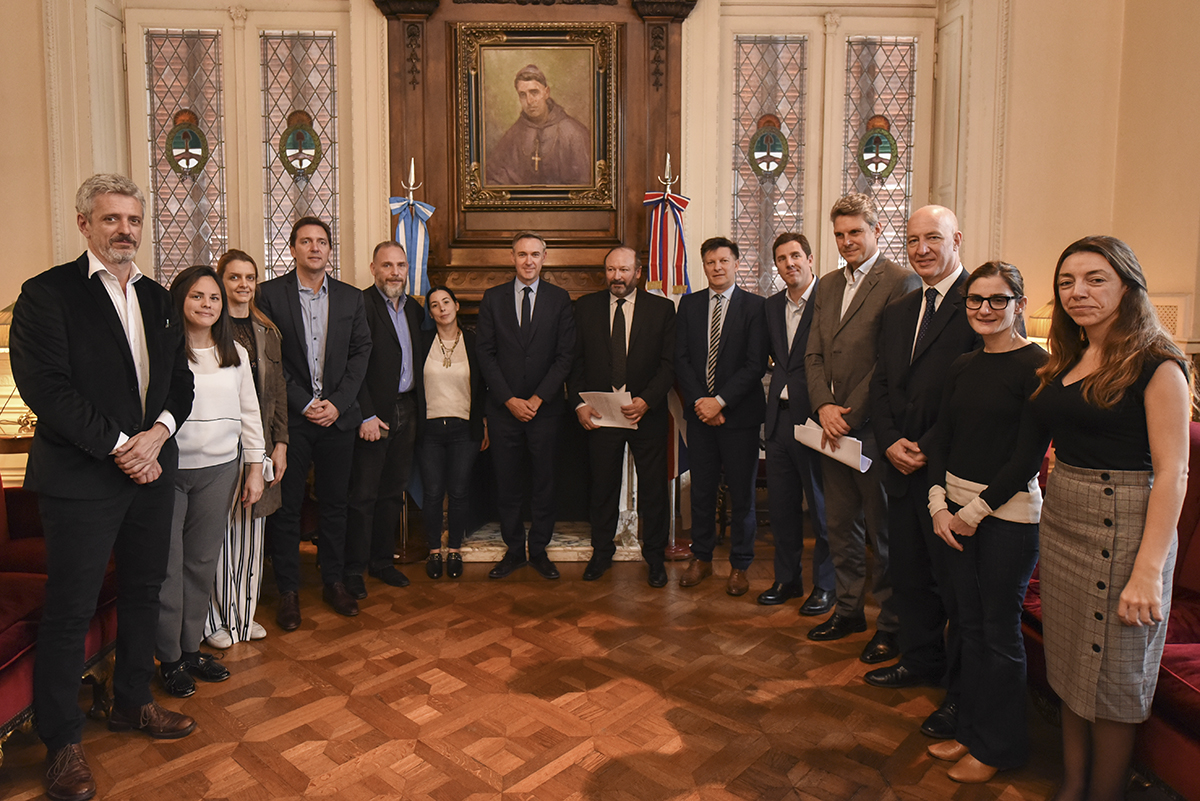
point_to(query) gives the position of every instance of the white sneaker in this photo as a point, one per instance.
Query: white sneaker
(257, 632)
(219, 638)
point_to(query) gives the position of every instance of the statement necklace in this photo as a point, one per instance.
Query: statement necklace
(446, 354)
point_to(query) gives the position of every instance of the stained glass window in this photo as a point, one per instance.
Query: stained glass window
(769, 82)
(300, 136)
(187, 214)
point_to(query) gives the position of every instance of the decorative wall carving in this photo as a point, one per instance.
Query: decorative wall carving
(394, 9)
(544, 2)
(238, 15)
(832, 23)
(658, 55)
(412, 41)
(676, 10)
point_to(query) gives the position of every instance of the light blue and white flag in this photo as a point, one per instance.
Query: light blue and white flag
(413, 233)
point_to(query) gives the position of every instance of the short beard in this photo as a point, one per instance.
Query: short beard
(392, 291)
(115, 256)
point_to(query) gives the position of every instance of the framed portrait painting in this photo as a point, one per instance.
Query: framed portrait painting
(536, 118)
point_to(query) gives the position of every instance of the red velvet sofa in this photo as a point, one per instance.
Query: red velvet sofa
(22, 594)
(1168, 745)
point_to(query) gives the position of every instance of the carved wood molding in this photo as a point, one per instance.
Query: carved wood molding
(412, 43)
(658, 55)
(472, 283)
(676, 10)
(394, 9)
(543, 2)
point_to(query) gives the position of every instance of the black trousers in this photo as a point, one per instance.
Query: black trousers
(734, 451)
(331, 452)
(511, 440)
(793, 473)
(135, 526)
(377, 484)
(606, 449)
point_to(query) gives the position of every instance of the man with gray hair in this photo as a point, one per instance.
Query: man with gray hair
(546, 146)
(97, 353)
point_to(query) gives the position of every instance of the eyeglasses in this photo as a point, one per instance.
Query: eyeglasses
(997, 302)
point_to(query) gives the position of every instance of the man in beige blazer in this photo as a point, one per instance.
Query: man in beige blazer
(842, 350)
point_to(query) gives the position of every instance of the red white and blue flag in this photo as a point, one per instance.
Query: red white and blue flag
(668, 254)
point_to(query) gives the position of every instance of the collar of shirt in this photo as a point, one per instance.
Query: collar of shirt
(804, 296)
(612, 299)
(400, 301)
(942, 287)
(853, 277)
(519, 287)
(323, 289)
(96, 266)
(727, 294)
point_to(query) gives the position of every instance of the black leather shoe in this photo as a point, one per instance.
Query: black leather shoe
(511, 561)
(341, 601)
(780, 593)
(819, 602)
(206, 667)
(287, 616)
(657, 578)
(545, 568)
(942, 723)
(356, 586)
(894, 677)
(176, 680)
(880, 648)
(837, 627)
(454, 565)
(390, 576)
(433, 565)
(597, 566)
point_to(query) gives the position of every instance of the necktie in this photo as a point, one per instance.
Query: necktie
(930, 299)
(618, 346)
(714, 342)
(526, 308)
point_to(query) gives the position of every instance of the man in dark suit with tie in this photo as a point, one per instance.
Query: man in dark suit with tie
(326, 346)
(526, 343)
(921, 335)
(720, 358)
(383, 452)
(97, 353)
(843, 348)
(793, 470)
(626, 341)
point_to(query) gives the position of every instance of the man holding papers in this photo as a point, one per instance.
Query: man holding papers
(625, 346)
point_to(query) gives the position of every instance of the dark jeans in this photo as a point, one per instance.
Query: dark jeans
(378, 481)
(447, 457)
(989, 578)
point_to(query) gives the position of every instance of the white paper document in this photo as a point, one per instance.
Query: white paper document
(849, 450)
(608, 406)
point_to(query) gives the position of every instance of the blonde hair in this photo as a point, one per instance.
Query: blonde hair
(856, 204)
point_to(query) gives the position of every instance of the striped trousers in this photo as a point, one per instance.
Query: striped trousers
(239, 573)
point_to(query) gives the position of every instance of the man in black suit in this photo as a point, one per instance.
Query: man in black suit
(626, 341)
(383, 452)
(921, 335)
(720, 358)
(792, 467)
(326, 346)
(526, 342)
(97, 353)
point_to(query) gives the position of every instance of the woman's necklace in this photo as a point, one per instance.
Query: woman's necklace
(446, 354)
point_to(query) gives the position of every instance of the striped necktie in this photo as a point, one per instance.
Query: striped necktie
(714, 342)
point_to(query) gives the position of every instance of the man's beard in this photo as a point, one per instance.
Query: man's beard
(118, 256)
(393, 291)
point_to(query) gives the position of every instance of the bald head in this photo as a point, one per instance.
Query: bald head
(933, 243)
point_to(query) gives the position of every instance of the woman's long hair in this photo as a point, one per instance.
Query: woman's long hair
(222, 329)
(1136, 334)
(234, 254)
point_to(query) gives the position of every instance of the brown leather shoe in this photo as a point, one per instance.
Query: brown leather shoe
(970, 770)
(287, 616)
(947, 750)
(696, 572)
(68, 777)
(159, 723)
(339, 599)
(738, 585)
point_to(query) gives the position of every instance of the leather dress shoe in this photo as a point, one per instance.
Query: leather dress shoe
(695, 573)
(737, 584)
(511, 561)
(177, 681)
(894, 677)
(880, 648)
(433, 565)
(339, 600)
(390, 576)
(355, 586)
(947, 750)
(818, 602)
(837, 627)
(206, 667)
(159, 723)
(942, 723)
(287, 616)
(970, 770)
(779, 593)
(68, 777)
(597, 566)
(545, 568)
(657, 577)
(454, 565)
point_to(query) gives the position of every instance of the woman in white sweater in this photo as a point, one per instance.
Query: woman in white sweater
(224, 418)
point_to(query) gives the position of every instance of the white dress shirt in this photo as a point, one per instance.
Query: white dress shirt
(519, 297)
(791, 318)
(854, 280)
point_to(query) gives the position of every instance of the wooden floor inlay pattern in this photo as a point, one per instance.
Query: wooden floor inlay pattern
(528, 689)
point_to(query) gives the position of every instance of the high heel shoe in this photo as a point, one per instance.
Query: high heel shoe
(433, 565)
(454, 565)
(970, 770)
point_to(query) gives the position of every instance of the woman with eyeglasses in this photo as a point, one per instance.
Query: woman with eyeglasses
(986, 504)
(1116, 395)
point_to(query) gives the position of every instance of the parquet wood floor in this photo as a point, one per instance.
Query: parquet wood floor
(527, 689)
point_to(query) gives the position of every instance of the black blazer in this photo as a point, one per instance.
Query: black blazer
(514, 368)
(347, 347)
(650, 357)
(789, 364)
(741, 356)
(378, 392)
(72, 364)
(905, 395)
(478, 385)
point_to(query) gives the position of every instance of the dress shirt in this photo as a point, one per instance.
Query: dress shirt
(314, 311)
(627, 310)
(400, 323)
(129, 311)
(519, 297)
(941, 287)
(712, 298)
(854, 280)
(791, 317)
